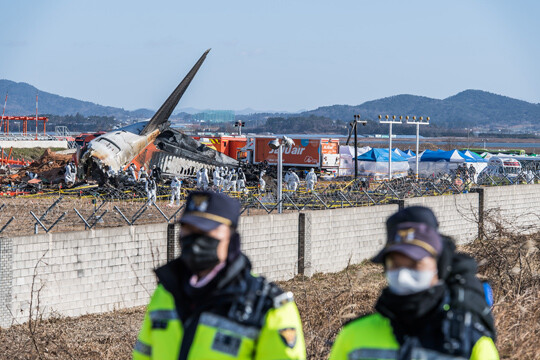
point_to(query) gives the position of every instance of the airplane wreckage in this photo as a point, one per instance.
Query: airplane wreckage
(153, 142)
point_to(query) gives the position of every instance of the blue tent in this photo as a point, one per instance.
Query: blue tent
(379, 155)
(445, 156)
(410, 153)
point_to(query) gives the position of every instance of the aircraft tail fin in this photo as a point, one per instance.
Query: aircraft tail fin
(165, 111)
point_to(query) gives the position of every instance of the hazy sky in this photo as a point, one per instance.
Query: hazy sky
(272, 55)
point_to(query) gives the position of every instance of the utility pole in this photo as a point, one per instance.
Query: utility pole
(390, 121)
(418, 122)
(353, 125)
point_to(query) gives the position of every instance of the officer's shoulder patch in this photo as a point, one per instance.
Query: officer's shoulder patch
(288, 336)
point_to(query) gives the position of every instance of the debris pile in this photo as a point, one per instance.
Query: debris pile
(49, 168)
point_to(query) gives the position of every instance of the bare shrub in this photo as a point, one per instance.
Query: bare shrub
(510, 261)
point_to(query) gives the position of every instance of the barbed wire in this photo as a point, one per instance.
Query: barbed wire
(91, 206)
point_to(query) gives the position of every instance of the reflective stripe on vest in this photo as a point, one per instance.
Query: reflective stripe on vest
(163, 315)
(426, 354)
(385, 354)
(143, 348)
(365, 354)
(220, 322)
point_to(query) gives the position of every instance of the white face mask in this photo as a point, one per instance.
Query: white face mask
(406, 281)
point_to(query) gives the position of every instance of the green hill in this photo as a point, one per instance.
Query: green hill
(22, 102)
(470, 108)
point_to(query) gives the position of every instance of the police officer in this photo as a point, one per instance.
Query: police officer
(208, 305)
(434, 306)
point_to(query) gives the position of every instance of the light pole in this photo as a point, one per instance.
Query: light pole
(278, 145)
(390, 121)
(468, 142)
(418, 122)
(353, 128)
(240, 124)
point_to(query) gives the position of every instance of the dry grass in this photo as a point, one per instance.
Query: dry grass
(327, 301)
(511, 262)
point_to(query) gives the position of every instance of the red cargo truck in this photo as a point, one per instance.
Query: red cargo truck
(228, 145)
(320, 153)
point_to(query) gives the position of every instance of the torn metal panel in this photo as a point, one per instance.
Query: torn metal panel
(173, 142)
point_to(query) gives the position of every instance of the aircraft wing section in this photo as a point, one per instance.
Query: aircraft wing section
(165, 111)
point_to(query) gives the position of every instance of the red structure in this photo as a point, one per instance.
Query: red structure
(24, 119)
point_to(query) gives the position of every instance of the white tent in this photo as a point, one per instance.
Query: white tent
(438, 162)
(374, 163)
(346, 154)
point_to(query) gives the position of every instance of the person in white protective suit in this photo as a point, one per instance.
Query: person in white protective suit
(132, 171)
(69, 176)
(293, 181)
(311, 180)
(241, 180)
(151, 191)
(202, 179)
(111, 173)
(286, 179)
(176, 187)
(234, 179)
(262, 183)
(216, 178)
(227, 180)
(142, 173)
(530, 177)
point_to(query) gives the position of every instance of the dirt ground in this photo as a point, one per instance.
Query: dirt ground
(510, 262)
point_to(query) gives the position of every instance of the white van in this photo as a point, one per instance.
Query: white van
(500, 169)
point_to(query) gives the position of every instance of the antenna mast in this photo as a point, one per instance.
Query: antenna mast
(36, 114)
(3, 112)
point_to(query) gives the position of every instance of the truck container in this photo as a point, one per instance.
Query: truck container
(321, 153)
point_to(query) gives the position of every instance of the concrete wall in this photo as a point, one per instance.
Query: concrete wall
(100, 270)
(271, 242)
(517, 206)
(457, 214)
(340, 236)
(75, 273)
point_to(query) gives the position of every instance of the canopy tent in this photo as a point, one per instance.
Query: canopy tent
(410, 152)
(346, 154)
(475, 156)
(374, 163)
(452, 156)
(402, 153)
(439, 162)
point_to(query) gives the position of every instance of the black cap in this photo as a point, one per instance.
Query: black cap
(417, 214)
(411, 214)
(415, 240)
(207, 210)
